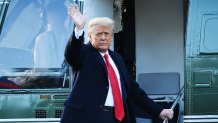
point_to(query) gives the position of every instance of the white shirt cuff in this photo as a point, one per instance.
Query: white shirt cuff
(78, 33)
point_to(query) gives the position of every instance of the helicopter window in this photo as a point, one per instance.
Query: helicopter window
(209, 35)
(32, 44)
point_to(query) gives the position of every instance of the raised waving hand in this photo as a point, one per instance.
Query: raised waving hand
(78, 18)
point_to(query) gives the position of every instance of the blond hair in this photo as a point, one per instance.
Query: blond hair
(102, 21)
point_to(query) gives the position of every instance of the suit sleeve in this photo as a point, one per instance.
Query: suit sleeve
(73, 51)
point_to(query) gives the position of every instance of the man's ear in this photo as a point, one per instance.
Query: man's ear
(89, 37)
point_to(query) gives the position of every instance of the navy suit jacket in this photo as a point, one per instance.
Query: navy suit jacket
(90, 89)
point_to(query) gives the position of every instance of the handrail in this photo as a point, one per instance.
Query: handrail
(175, 102)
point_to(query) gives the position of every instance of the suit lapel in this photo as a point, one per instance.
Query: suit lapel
(97, 56)
(118, 64)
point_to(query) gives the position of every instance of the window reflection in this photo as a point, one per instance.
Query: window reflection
(32, 44)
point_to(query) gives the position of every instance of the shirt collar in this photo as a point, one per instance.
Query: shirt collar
(102, 54)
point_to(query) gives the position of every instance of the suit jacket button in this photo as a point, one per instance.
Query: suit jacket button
(107, 87)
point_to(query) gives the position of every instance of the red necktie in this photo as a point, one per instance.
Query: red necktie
(118, 103)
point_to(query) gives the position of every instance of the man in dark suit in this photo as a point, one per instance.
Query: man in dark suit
(103, 91)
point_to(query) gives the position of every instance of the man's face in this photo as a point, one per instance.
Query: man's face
(101, 37)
